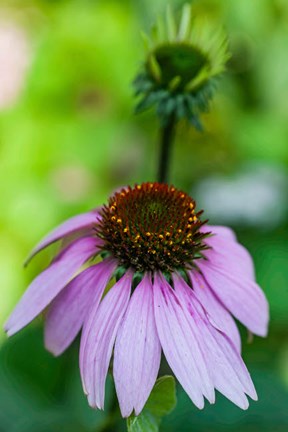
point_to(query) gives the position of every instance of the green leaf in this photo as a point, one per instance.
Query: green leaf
(163, 397)
(161, 402)
(145, 422)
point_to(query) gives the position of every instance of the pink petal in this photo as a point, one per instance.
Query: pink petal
(49, 283)
(69, 309)
(99, 339)
(215, 309)
(241, 296)
(68, 227)
(236, 362)
(228, 372)
(179, 343)
(102, 281)
(137, 351)
(219, 230)
(226, 253)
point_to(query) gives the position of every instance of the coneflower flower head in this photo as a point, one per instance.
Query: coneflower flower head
(177, 283)
(182, 63)
(152, 226)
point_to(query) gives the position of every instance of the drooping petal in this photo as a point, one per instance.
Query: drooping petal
(66, 228)
(68, 310)
(99, 339)
(46, 286)
(137, 351)
(214, 308)
(235, 362)
(179, 344)
(241, 296)
(226, 253)
(226, 367)
(88, 327)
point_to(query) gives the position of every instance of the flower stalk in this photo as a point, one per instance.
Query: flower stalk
(167, 134)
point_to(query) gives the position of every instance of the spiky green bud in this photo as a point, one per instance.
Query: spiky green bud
(183, 60)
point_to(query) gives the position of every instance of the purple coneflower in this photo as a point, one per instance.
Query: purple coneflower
(178, 283)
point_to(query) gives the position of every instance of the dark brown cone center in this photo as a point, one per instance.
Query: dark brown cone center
(151, 226)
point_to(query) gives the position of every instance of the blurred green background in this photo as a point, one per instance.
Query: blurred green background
(68, 137)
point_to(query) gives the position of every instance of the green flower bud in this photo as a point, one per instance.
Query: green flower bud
(182, 64)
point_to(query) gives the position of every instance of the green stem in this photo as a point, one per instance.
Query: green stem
(166, 141)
